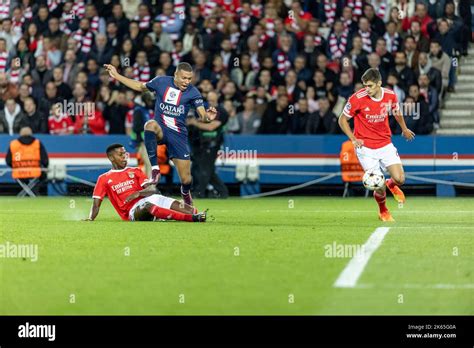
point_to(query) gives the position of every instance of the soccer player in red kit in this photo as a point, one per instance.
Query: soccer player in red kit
(123, 185)
(370, 108)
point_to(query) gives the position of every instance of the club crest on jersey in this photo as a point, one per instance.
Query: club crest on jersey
(172, 96)
(131, 175)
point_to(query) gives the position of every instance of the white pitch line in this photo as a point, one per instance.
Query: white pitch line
(349, 276)
(469, 286)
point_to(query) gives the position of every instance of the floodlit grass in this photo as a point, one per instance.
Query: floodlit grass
(262, 256)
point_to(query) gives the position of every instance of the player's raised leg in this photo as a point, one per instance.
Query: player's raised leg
(153, 134)
(184, 172)
(397, 178)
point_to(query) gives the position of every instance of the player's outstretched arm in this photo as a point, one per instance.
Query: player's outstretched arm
(94, 210)
(406, 133)
(135, 85)
(346, 128)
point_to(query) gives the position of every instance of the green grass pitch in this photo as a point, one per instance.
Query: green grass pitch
(258, 257)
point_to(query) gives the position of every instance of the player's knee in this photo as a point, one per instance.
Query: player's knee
(187, 179)
(400, 179)
(152, 125)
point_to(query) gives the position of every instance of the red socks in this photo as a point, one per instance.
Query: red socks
(167, 214)
(390, 183)
(380, 199)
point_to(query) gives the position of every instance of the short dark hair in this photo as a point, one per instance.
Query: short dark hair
(112, 147)
(185, 67)
(371, 75)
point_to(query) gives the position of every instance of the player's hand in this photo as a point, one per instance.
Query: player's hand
(132, 197)
(358, 143)
(408, 134)
(211, 113)
(111, 70)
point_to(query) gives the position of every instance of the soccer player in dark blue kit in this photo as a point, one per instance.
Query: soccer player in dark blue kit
(174, 97)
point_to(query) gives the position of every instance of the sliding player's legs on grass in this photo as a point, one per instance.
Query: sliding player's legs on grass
(178, 151)
(164, 208)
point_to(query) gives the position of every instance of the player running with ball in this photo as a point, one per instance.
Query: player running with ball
(174, 97)
(370, 108)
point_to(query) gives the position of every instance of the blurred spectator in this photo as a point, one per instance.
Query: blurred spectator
(243, 75)
(11, 117)
(422, 42)
(377, 24)
(345, 88)
(101, 52)
(292, 89)
(7, 33)
(89, 121)
(441, 61)
(70, 67)
(337, 41)
(300, 118)
(35, 119)
(387, 61)
(406, 75)
(411, 53)
(284, 55)
(248, 119)
(118, 16)
(114, 109)
(160, 38)
(392, 38)
(425, 67)
(171, 21)
(7, 89)
(421, 16)
(297, 20)
(425, 123)
(276, 118)
(323, 120)
(392, 83)
(51, 97)
(59, 122)
(430, 95)
(41, 74)
(152, 52)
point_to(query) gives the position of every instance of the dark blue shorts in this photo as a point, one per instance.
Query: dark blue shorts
(176, 143)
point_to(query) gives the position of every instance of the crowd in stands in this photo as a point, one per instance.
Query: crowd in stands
(278, 66)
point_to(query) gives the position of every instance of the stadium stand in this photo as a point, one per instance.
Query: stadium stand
(54, 51)
(278, 66)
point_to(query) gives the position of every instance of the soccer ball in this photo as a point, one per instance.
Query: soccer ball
(373, 180)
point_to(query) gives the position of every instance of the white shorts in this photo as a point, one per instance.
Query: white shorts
(156, 199)
(381, 158)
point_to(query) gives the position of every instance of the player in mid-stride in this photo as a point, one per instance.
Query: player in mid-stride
(124, 187)
(175, 95)
(370, 108)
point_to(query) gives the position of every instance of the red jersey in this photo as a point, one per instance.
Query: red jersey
(371, 116)
(118, 185)
(60, 125)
